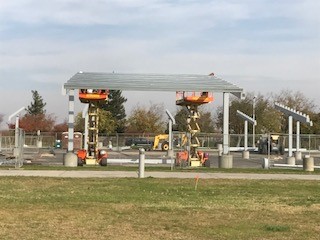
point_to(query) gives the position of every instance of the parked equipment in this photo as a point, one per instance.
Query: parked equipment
(92, 155)
(139, 142)
(162, 139)
(191, 100)
(276, 144)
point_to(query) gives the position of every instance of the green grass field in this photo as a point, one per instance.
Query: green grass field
(58, 208)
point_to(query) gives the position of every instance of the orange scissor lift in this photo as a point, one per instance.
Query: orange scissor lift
(192, 100)
(92, 155)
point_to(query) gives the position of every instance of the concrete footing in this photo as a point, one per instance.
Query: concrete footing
(246, 155)
(291, 160)
(308, 164)
(70, 160)
(298, 155)
(225, 161)
(265, 163)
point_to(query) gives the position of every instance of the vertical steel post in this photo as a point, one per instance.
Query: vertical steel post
(290, 136)
(246, 135)
(70, 120)
(16, 133)
(85, 115)
(86, 132)
(253, 126)
(226, 122)
(170, 134)
(298, 137)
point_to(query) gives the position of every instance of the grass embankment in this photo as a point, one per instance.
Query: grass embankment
(51, 208)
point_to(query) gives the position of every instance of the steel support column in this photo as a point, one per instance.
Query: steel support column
(85, 115)
(226, 100)
(290, 136)
(70, 120)
(246, 135)
(298, 137)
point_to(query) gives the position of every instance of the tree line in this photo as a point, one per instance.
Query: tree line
(152, 118)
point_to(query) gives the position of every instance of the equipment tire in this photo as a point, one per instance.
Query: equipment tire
(103, 162)
(165, 146)
(206, 163)
(80, 162)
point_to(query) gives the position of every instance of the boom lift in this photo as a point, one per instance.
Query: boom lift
(92, 155)
(192, 100)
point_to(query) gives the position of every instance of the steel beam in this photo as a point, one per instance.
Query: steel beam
(246, 117)
(246, 120)
(298, 116)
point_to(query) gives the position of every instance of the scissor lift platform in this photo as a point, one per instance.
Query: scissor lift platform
(191, 100)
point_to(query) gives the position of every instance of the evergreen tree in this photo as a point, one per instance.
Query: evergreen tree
(116, 108)
(37, 106)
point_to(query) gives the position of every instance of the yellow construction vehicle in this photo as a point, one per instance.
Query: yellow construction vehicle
(163, 139)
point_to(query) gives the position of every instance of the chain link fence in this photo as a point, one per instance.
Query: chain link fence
(207, 140)
(10, 154)
(12, 147)
(308, 142)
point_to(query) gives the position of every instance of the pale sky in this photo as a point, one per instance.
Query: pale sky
(260, 45)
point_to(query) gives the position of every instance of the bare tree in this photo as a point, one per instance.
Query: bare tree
(147, 120)
(267, 117)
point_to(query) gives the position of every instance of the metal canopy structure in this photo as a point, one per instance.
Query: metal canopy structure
(152, 82)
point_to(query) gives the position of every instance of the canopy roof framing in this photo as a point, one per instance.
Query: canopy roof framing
(150, 82)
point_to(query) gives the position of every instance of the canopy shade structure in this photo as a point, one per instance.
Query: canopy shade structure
(150, 82)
